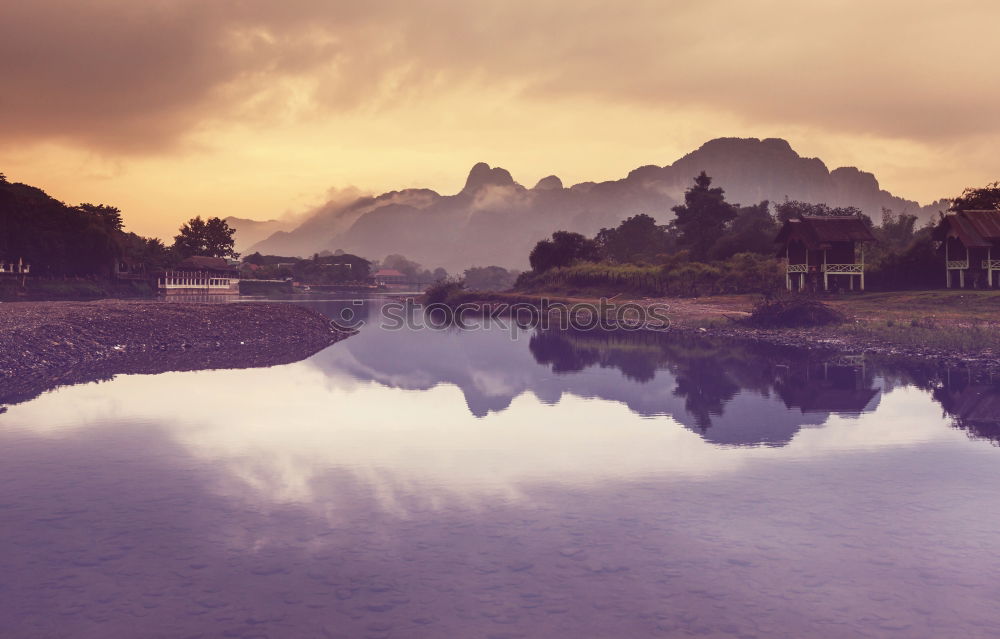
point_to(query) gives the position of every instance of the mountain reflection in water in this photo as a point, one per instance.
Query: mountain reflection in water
(454, 483)
(730, 392)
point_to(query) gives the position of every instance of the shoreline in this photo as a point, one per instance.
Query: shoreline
(925, 339)
(45, 345)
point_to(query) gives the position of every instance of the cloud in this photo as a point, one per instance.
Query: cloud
(128, 76)
(125, 76)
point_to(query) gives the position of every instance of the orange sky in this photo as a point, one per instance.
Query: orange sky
(257, 108)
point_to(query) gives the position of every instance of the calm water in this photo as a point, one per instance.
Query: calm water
(464, 484)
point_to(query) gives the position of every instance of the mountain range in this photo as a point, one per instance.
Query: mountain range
(250, 232)
(495, 220)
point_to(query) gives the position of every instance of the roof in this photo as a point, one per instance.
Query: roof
(204, 263)
(976, 409)
(823, 399)
(821, 231)
(388, 272)
(977, 403)
(972, 228)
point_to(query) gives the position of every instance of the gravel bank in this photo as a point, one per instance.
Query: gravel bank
(44, 345)
(982, 364)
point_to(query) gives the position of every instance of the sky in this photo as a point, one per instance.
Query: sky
(262, 109)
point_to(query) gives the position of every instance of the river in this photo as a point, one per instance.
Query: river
(506, 483)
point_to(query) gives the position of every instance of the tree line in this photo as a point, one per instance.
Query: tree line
(337, 267)
(89, 240)
(729, 248)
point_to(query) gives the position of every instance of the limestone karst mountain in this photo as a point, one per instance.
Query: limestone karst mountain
(495, 220)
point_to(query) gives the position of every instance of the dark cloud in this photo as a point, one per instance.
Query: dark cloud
(136, 76)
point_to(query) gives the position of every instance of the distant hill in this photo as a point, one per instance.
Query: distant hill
(495, 220)
(249, 232)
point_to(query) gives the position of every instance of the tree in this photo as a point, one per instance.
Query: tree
(562, 250)
(637, 239)
(896, 231)
(212, 237)
(489, 278)
(918, 266)
(981, 199)
(752, 231)
(110, 216)
(703, 217)
(399, 263)
(150, 253)
(330, 269)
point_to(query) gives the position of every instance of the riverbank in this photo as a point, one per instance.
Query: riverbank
(950, 328)
(70, 289)
(44, 345)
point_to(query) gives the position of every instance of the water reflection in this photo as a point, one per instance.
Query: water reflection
(734, 394)
(450, 484)
(694, 380)
(708, 374)
(974, 407)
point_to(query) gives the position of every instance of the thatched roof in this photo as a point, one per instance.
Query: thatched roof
(974, 229)
(818, 232)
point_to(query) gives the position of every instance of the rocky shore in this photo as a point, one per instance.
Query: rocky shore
(983, 363)
(44, 345)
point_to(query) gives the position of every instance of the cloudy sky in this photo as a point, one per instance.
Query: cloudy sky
(257, 108)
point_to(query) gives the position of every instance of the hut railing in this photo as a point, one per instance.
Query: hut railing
(798, 268)
(957, 264)
(843, 269)
(992, 265)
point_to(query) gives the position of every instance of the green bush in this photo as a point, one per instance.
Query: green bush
(742, 273)
(444, 291)
(793, 311)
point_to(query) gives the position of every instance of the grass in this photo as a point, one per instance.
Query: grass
(937, 305)
(968, 339)
(959, 321)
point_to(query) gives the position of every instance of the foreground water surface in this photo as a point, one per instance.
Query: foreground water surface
(467, 484)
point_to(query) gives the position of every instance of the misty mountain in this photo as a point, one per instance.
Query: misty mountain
(495, 220)
(249, 232)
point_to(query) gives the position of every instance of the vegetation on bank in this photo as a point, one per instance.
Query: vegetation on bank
(921, 335)
(958, 322)
(949, 320)
(89, 241)
(741, 273)
(337, 267)
(790, 311)
(73, 289)
(331, 268)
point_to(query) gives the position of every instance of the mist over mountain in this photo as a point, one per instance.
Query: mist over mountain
(495, 220)
(249, 232)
